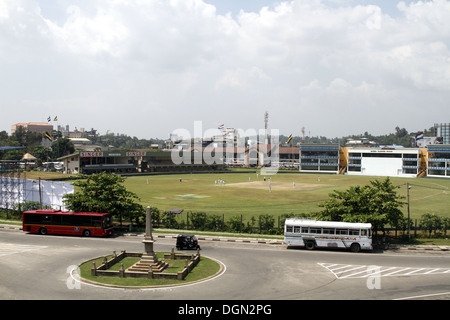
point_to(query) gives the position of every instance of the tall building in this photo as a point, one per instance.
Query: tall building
(319, 158)
(438, 161)
(39, 127)
(442, 130)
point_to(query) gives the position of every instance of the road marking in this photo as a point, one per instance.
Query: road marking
(396, 271)
(424, 296)
(416, 270)
(428, 272)
(347, 271)
(354, 274)
(10, 248)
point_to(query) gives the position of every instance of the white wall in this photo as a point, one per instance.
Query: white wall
(381, 166)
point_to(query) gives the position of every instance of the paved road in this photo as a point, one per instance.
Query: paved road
(38, 267)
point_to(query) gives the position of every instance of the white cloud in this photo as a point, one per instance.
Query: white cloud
(242, 78)
(146, 68)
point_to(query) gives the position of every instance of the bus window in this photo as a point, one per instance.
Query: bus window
(305, 229)
(354, 232)
(107, 222)
(289, 229)
(82, 220)
(67, 220)
(342, 231)
(328, 230)
(363, 232)
(296, 229)
(315, 230)
(96, 222)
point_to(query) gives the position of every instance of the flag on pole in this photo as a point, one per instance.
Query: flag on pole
(48, 136)
(56, 118)
(419, 136)
(49, 119)
(221, 126)
(289, 139)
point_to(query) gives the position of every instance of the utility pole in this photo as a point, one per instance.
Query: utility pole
(40, 194)
(409, 223)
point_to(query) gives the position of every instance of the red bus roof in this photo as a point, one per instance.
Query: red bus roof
(66, 212)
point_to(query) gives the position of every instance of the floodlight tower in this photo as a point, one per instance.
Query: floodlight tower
(266, 124)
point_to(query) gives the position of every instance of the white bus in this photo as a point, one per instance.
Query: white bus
(328, 234)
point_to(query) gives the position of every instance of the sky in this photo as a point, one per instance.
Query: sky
(148, 68)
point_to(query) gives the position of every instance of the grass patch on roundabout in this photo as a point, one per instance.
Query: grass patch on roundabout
(205, 269)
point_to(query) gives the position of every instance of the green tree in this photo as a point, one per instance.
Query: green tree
(197, 220)
(169, 220)
(41, 153)
(62, 147)
(215, 222)
(433, 222)
(104, 192)
(266, 223)
(235, 223)
(377, 203)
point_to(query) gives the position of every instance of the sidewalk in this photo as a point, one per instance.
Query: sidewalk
(10, 227)
(420, 248)
(212, 238)
(415, 248)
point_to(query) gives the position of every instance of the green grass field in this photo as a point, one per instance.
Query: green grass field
(248, 194)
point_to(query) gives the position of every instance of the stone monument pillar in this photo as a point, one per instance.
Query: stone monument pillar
(148, 260)
(148, 239)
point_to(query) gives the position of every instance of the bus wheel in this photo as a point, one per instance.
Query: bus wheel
(86, 233)
(310, 245)
(43, 231)
(355, 247)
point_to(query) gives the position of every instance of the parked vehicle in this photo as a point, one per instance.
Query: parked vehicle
(187, 241)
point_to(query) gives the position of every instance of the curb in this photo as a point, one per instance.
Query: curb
(10, 227)
(420, 248)
(224, 239)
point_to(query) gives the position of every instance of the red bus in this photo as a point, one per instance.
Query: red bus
(65, 222)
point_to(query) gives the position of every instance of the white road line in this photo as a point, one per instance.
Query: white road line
(424, 296)
(353, 274)
(342, 271)
(414, 271)
(342, 267)
(428, 272)
(396, 271)
(376, 273)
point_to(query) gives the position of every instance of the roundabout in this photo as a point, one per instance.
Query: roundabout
(148, 269)
(206, 269)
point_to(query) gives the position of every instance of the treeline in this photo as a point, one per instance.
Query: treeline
(400, 137)
(431, 225)
(201, 221)
(123, 141)
(31, 142)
